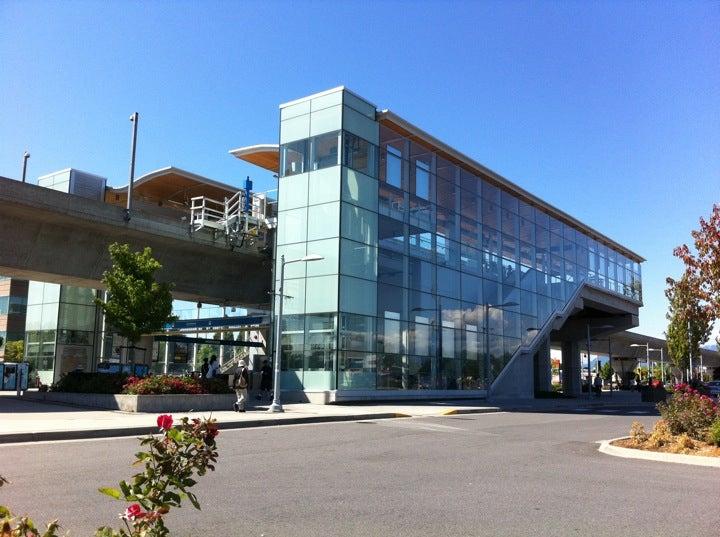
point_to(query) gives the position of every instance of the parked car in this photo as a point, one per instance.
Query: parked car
(713, 387)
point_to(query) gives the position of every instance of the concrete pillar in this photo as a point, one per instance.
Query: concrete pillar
(571, 367)
(543, 367)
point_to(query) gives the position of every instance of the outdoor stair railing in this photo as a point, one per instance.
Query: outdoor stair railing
(531, 347)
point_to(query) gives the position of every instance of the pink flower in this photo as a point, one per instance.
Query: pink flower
(133, 512)
(165, 422)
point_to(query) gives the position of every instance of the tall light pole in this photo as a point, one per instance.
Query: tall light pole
(134, 119)
(486, 361)
(276, 405)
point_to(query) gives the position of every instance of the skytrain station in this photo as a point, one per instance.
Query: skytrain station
(407, 269)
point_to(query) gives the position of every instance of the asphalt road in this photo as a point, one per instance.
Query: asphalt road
(505, 474)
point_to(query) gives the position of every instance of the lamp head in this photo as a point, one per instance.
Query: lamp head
(312, 257)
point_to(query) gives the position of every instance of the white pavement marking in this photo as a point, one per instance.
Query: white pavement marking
(412, 424)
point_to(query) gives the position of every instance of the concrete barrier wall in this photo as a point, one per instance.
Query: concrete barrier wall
(138, 403)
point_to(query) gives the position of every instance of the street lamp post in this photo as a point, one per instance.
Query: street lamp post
(276, 405)
(486, 361)
(589, 375)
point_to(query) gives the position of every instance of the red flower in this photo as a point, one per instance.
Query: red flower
(133, 512)
(165, 421)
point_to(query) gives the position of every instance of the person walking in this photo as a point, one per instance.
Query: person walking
(597, 384)
(266, 373)
(241, 383)
(204, 368)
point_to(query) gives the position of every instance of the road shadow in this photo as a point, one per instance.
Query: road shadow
(11, 404)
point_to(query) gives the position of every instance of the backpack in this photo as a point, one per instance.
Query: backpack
(240, 380)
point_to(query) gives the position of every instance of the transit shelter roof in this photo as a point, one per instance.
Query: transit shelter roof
(173, 186)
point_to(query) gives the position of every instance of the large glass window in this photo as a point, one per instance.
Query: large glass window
(421, 275)
(325, 151)
(391, 166)
(391, 234)
(320, 342)
(357, 332)
(293, 157)
(359, 154)
(422, 179)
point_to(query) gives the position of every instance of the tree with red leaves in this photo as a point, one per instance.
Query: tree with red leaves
(695, 297)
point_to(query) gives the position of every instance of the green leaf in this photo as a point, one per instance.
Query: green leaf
(193, 500)
(109, 491)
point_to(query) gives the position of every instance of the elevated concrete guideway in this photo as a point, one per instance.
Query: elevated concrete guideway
(56, 237)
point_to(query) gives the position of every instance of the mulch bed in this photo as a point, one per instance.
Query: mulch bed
(702, 449)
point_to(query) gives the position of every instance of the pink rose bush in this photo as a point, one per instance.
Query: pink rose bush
(171, 461)
(689, 412)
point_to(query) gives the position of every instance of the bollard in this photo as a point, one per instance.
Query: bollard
(18, 379)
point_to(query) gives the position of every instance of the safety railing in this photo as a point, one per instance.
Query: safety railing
(234, 217)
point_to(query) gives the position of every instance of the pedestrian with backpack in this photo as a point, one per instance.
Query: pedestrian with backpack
(241, 383)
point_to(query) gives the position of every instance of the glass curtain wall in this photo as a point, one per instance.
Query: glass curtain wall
(430, 252)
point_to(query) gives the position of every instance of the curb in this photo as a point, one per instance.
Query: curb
(607, 448)
(593, 406)
(483, 410)
(43, 436)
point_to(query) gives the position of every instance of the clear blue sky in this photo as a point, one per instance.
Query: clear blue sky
(608, 110)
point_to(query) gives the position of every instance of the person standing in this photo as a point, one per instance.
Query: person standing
(204, 368)
(597, 383)
(213, 367)
(266, 373)
(241, 383)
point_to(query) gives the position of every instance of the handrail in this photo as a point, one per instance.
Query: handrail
(540, 335)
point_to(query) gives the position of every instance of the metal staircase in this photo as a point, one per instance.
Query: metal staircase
(243, 219)
(555, 320)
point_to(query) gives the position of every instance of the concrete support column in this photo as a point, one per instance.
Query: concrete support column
(543, 367)
(571, 367)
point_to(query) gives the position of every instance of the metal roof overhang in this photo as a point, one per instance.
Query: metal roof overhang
(169, 183)
(415, 133)
(265, 156)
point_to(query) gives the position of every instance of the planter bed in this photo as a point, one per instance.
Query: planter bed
(700, 449)
(138, 403)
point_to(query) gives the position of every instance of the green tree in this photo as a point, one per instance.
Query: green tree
(14, 351)
(691, 321)
(205, 351)
(136, 303)
(606, 372)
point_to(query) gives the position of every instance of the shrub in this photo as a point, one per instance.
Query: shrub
(80, 382)
(218, 385)
(171, 462)
(660, 435)
(637, 433)
(714, 433)
(689, 412)
(163, 385)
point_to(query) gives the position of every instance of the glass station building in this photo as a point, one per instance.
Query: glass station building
(437, 271)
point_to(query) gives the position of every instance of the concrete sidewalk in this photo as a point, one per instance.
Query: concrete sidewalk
(31, 421)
